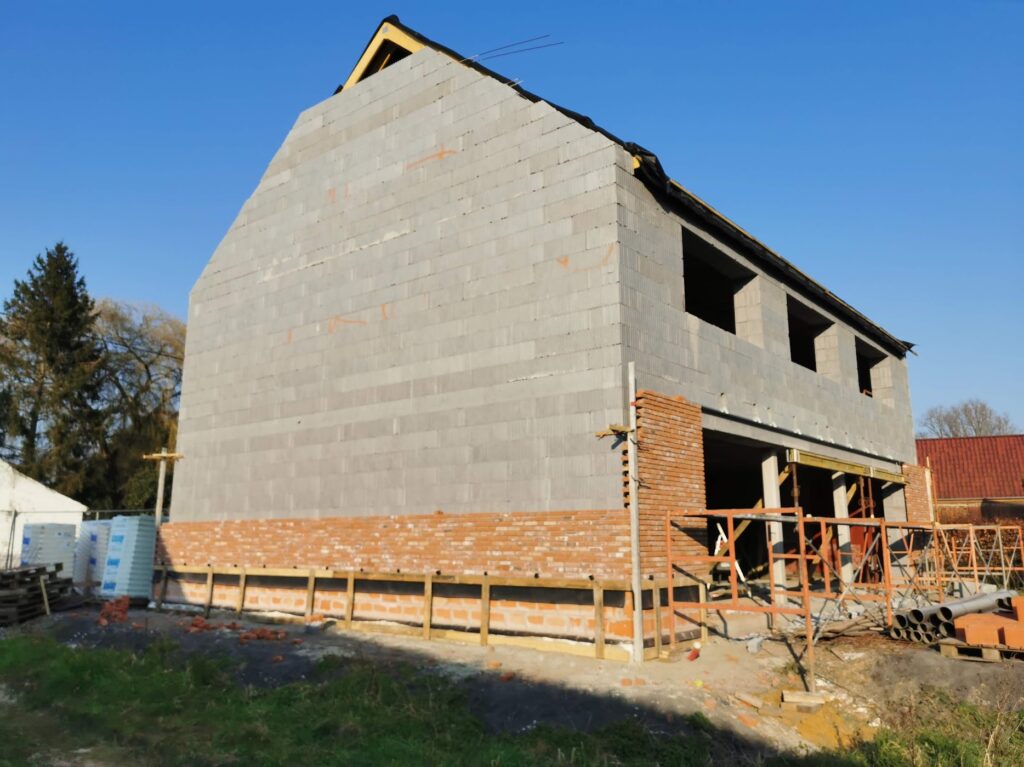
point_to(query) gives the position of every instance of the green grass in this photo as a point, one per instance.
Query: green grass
(157, 709)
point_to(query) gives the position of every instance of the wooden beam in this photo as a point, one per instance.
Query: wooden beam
(804, 458)
(599, 646)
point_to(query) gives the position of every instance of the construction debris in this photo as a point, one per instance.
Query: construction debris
(30, 591)
(970, 620)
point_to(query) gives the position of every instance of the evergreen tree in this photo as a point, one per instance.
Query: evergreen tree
(51, 374)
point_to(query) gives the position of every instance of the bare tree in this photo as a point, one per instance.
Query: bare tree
(970, 418)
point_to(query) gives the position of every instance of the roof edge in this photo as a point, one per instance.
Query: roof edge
(649, 170)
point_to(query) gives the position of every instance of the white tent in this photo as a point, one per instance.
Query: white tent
(23, 500)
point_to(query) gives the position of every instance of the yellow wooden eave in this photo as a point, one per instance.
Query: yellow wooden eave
(387, 33)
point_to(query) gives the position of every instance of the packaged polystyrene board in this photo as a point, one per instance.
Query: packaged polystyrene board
(91, 552)
(129, 562)
(48, 543)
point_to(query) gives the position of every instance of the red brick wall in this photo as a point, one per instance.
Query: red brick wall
(570, 544)
(670, 463)
(916, 492)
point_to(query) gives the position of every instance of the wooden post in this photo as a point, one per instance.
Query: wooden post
(671, 584)
(46, 597)
(805, 602)
(241, 592)
(598, 621)
(485, 610)
(634, 520)
(163, 457)
(656, 596)
(209, 593)
(161, 479)
(428, 604)
(886, 572)
(702, 595)
(310, 592)
(350, 599)
(161, 593)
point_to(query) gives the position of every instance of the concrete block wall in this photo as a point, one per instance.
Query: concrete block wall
(748, 375)
(417, 309)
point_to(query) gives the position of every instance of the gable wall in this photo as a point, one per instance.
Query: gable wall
(417, 309)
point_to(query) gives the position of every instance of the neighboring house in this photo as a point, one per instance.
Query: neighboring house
(976, 479)
(24, 500)
(400, 353)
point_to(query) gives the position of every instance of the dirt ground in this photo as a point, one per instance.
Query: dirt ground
(513, 689)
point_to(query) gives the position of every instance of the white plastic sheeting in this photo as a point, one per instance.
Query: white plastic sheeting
(23, 500)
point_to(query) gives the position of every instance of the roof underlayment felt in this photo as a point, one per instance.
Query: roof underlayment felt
(650, 171)
(969, 468)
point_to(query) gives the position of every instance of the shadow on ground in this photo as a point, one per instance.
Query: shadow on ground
(503, 702)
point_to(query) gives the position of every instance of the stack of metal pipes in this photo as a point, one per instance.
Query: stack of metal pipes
(929, 625)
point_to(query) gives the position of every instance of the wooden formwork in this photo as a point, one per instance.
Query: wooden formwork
(484, 634)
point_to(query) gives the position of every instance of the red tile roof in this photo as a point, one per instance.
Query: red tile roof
(975, 467)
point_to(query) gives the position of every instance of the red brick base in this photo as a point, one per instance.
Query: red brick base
(569, 544)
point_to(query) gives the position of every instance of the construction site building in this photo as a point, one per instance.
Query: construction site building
(401, 354)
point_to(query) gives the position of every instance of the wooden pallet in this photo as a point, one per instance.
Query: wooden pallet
(22, 592)
(954, 648)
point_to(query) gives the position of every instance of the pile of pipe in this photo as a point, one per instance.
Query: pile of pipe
(929, 625)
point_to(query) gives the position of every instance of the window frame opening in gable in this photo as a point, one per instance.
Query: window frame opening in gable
(868, 358)
(387, 54)
(804, 327)
(711, 282)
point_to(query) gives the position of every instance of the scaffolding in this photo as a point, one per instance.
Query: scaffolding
(815, 574)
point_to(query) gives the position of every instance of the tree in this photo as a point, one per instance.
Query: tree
(970, 418)
(143, 352)
(50, 368)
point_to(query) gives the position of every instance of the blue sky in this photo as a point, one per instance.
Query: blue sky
(878, 146)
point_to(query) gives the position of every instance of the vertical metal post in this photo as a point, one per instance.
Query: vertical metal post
(634, 522)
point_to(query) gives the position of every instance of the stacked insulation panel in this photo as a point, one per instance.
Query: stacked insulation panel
(91, 553)
(129, 563)
(48, 543)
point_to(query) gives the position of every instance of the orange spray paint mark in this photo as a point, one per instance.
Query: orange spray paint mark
(332, 194)
(563, 262)
(289, 335)
(440, 154)
(337, 319)
(383, 311)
